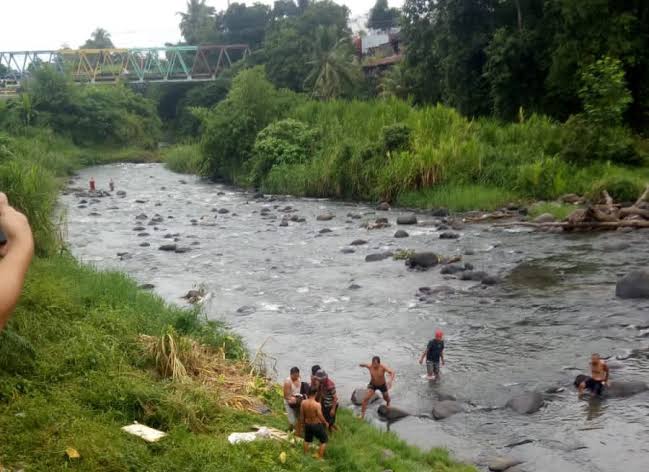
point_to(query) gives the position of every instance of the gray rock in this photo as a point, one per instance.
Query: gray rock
(182, 250)
(143, 235)
(121, 193)
(446, 408)
(378, 256)
(167, 247)
(391, 414)
(476, 276)
(501, 464)
(145, 244)
(283, 223)
(440, 212)
(360, 393)
(449, 235)
(141, 217)
(451, 269)
(146, 287)
(223, 211)
(139, 228)
(325, 217)
(490, 280)
(122, 254)
(422, 260)
(633, 285)
(354, 287)
(347, 250)
(383, 206)
(401, 234)
(246, 310)
(407, 220)
(358, 242)
(545, 218)
(526, 403)
(325, 231)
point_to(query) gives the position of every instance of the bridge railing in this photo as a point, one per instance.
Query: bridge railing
(157, 64)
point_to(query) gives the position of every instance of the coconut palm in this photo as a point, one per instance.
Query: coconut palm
(99, 39)
(198, 19)
(333, 69)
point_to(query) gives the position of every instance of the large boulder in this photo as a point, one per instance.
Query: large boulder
(422, 260)
(618, 389)
(401, 234)
(633, 285)
(445, 408)
(359, 394)
(325, 217)
(407, 220)
(526, 403)
(392, 413)
(383, 206)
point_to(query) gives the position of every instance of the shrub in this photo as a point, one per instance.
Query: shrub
(396, 137)
(183, 158)
(284, 142)
(622, 189)
(585, 141)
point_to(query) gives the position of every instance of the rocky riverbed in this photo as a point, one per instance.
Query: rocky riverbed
(331, 283)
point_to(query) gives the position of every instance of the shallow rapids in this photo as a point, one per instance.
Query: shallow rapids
(290, 290)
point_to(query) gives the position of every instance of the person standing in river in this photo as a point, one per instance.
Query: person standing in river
(598, 377)
(377, 382)
(434, 353)
(314, 423)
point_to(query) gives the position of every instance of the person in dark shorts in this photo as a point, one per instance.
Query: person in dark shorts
(598, 377)
(433, 354)
(377, 382)
(314, 423)
(327, 392)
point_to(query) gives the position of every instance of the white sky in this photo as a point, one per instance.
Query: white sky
(48, 24)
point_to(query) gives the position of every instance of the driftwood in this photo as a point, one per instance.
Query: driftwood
(606, 216)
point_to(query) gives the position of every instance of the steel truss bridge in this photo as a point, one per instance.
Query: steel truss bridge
(136, 65)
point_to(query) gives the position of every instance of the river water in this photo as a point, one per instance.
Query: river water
(288, 288)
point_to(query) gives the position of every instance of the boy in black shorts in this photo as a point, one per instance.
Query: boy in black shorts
(433, 354)
(315, 425)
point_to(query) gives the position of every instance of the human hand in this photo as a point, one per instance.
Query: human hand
(15, 227)
(421, 361)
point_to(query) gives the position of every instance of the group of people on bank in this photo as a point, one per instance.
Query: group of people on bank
(311, 407)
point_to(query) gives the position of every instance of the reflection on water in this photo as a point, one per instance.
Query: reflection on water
(294, 287)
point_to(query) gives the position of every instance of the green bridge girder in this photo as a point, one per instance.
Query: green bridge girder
(135, 65)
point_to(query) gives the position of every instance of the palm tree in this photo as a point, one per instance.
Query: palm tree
(393, 83)
(198, 17)
(99, 39)
(333, 69)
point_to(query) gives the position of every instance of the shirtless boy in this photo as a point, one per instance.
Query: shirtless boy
(314, 423)
(377, 382)
(598, 377)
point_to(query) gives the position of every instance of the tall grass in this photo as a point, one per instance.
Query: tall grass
(183, 158)
(458, 198)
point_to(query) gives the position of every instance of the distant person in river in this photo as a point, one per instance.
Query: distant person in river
(434, 354)
(328, 397)
(598, 379)
(111, 185)
(92, 185)
(377, 382)
(292, 395)
(16, 252)
(314, 422)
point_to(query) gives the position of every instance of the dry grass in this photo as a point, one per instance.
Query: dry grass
(237, 384)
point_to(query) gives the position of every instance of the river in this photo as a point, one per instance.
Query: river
(534, 330)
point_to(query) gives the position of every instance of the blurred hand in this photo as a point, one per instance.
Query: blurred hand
(15, 227)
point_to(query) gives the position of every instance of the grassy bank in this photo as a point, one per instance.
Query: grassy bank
(87, 352)
(416, 156)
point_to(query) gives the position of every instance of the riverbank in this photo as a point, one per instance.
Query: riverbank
(72, 370)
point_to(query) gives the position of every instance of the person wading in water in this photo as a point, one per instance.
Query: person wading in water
(314, 423)
(598, 377)
(433, 354)
(377, 382)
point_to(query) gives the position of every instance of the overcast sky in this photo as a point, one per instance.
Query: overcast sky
(48, 24)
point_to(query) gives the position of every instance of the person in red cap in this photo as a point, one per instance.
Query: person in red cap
(433, 354)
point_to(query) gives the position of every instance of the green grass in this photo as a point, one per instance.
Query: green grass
(107, 155)
(71, 375)
(183, 158)
(559, 210)
(458, 198)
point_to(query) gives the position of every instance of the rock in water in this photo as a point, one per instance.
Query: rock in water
(378, 257)
(359, 394)
(358, 242)
(449, 235)
(446, 408)
(545, 218)
(146, 287)
(383, 206)
(440, 212)
(526, 403)
(401, 234)
(407, 220)
(633, 285)
(503, 463)
(422, 260)
(325, 217)
(168, 247)
(625, 389)
(325, 231)
(392, 413)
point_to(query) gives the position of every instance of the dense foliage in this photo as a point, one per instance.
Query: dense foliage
(111, 115)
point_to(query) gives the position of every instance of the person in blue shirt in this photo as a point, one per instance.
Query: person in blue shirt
(434, 354)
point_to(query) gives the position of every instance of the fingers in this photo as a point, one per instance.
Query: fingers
(3, 202)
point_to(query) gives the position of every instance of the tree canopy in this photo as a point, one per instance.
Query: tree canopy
(382, 17)
(99, 39)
